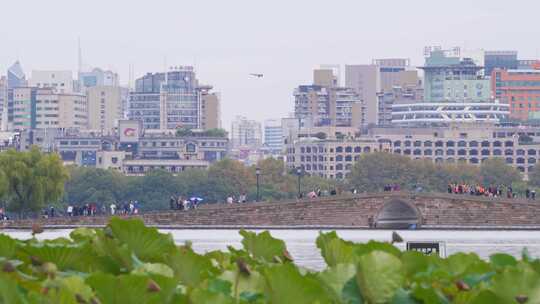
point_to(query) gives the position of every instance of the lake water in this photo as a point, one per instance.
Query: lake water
(301, 243)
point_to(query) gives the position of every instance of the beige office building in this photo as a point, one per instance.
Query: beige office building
(326, 104)
(366, 81)
(104, 108)
(35, 108)
(210, 111)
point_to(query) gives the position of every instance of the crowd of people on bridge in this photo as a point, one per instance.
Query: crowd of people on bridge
(184, 203)
(489, 191)
(93, 209)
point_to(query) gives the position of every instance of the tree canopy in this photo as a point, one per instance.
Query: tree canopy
(30, 180)
(373, 171)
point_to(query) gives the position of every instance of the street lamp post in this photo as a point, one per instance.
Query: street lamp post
(258, 173)
(299, 173)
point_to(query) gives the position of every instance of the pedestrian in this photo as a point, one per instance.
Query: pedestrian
(113, 208)
(131, 207)
(533, 194)
(172, 202)
(230, 199)
(51, 211)
(527, 193)
(70, 210)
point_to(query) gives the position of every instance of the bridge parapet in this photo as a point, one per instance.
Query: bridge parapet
(427, 210)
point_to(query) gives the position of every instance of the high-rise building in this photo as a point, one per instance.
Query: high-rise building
(399, 94)
(454, 91)
(453, 79)
(60, 81)
(168, 100)
(366, 81)
(3, 103)
(15, 76)
(273, 135)
(210, 109)
(325, 104)
(35, 108)
(15, 79)
(246, 133)
(98, 77)
(104, 108)
(520, 89)
(396, 72)
(506, 60)
(528, 64)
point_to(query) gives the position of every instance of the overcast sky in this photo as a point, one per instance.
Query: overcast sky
(228, 39)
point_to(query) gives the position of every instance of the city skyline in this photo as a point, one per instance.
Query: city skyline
(253, 42)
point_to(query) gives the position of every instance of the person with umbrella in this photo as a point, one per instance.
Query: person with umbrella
(195, 200)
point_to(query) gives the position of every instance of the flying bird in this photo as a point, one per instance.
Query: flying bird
(256, 75)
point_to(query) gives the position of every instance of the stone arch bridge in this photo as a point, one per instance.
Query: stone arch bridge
(371, 210)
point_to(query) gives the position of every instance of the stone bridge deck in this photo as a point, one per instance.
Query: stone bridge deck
(371, 210)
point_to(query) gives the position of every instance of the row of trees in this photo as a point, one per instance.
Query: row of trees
(373, 171)
(30, 181)
(223, 179)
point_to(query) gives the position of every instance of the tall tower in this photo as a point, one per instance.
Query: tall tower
(80, 62)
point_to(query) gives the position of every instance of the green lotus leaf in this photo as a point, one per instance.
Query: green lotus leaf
(113, 255)
(218, 285)
(154, 268)
(8, 246)
(147, 243)
(334, 250)
(9, 291)
(241, 283)
(379, 276)
(337, 276)
(414, 262)
(263, 246)
(133, 288)
(251, 297)
(429, 295)
(351, 294)
(285, 284)
(75, 257)
(82, 234)
(361, 249)
(403, 297)
(462, 264)
(501, 260)
(189, 267)
(70, 290)
(486, 297)
(201, 296)
(517, 281)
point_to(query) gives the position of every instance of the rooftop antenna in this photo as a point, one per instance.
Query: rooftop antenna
(165, 70)
(79, 55)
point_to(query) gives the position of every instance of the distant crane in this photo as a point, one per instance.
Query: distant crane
(256, 75)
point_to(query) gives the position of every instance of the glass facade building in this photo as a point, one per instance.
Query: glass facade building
(506, 60)
(167, 101)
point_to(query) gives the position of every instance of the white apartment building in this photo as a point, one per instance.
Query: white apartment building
(246, 133)
(60, 81)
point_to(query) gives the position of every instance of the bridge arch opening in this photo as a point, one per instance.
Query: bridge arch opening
(397, 214)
